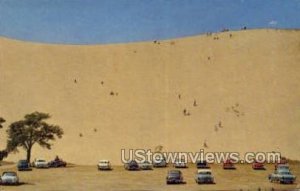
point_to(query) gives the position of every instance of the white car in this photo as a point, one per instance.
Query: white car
(9, 178)
(104, 165)
(40, 163)
(180, 164)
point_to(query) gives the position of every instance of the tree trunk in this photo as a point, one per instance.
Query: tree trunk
(28, 154)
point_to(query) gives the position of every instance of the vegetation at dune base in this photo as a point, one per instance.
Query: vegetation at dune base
(3, 153)
(31, 130)
(1, 121)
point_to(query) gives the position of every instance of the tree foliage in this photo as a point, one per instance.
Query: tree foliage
(3, 153)
(31, 130)
(1, 121)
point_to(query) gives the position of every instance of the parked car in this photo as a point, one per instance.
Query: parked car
(258, 165)
(131, 165)
(204, 176)
(9, 178)
(282, 175)
(174, 177)
(202, 164)
(23, 165)
(180, 164)
(228, 164)
(57, 162)
(40, 163)
(160, 162)
(104, 165)
(146, 165)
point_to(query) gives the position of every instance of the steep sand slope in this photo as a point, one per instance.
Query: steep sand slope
(249, 81)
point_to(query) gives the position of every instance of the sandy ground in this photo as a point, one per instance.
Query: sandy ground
(89, 178)
(249, 82)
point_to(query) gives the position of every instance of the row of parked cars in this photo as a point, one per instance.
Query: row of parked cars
(12, 178)
(146, 165)
(24, 165)
(282, 173)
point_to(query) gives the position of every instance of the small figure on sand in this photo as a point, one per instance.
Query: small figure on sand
(56, 158)
(186, 113)
(220, 124)
(205, 144)
(75, 81)
(195, 103)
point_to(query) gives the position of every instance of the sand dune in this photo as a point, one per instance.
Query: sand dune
(240, 92)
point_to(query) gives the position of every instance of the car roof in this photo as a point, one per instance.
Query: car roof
(9, 172)
(203, 170)
(174, 171)
(284, 171)
(283, 165)
(201, 161)
(103, 160)
(180, 160)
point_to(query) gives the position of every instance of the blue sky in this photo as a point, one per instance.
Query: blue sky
(117, 21)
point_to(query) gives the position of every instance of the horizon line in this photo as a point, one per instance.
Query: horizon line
(143, 41)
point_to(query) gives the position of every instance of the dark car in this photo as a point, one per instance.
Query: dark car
(23, 165)
(57, 162)
(174, 177)
(131, 165)
(202, 164)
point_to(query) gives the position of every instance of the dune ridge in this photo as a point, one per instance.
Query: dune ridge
(231, 91)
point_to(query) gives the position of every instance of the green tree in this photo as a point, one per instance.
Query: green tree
(32, 129)
(3, 153)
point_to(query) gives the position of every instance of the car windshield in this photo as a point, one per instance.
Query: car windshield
(204, 172)
(9, 174)
(174, 173)
(133, 162)
(284, 172)
(41, 160)
(23, 161)
(104, 162)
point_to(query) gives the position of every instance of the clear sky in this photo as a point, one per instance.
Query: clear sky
(116, 21)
